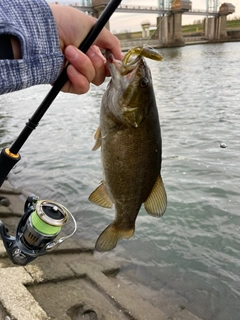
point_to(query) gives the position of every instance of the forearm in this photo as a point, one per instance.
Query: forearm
(35, 44)
(16, 47)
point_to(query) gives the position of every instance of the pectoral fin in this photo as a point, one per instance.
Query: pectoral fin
(100, 197)
(156, 203)
(97, 137)
(108, 239)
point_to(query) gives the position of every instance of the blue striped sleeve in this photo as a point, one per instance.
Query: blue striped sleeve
(32, 22)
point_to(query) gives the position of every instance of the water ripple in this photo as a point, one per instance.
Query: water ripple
(191, 255)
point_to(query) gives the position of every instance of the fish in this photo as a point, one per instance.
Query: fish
(129, 136)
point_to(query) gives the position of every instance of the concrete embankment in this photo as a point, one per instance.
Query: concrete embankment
(128, 44)
(67, 284)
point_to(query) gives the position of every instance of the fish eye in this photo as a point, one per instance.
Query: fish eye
(144, 83)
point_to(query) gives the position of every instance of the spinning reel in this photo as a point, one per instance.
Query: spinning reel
(39, 226)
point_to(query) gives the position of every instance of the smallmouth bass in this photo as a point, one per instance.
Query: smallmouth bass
(131, 147)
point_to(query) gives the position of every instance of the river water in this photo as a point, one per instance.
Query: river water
(190, 256)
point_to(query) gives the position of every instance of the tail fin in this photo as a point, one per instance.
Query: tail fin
(108, 239)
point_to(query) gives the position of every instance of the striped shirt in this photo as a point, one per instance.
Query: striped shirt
(32, 22)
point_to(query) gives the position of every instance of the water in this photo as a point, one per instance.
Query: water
(190, 256)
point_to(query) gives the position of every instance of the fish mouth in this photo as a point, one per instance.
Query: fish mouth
(122, 73)
(124, 88)
(124, 68)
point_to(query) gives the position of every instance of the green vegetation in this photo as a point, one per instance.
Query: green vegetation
(233, 24)
(131, 35)
(196, 27)
(191, 28)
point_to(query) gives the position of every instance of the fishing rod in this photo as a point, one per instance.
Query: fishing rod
(10, 156)
(42, 220)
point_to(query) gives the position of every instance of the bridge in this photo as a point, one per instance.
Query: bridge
(162, 11)
(169, 17)
(86, 6)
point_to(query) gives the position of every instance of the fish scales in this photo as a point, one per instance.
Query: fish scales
(131, 163)
(131, 150)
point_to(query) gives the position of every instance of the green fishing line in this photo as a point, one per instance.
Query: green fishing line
(42, 226)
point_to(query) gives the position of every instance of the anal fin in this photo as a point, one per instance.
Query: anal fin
(100, 197)
(156, 203)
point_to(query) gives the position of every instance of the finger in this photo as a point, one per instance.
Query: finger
(106, 40)
(98, 62)
(74, 25)
(77, 82)
(80, 62)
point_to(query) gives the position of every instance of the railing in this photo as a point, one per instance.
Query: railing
(141, 7)
(83, 3)
(202, 11)
(195, 39)
(153, 9)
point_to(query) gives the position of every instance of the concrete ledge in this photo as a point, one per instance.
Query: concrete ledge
(15, 298)
(68, 283)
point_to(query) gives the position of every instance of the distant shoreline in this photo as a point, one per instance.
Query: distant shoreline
(191, 35)
(128, 44)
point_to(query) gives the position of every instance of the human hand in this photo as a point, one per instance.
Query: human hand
(73, 26)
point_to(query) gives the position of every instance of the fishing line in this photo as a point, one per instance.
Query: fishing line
(218, 143)
(195, 107)
(160, 21)
(192, 106)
